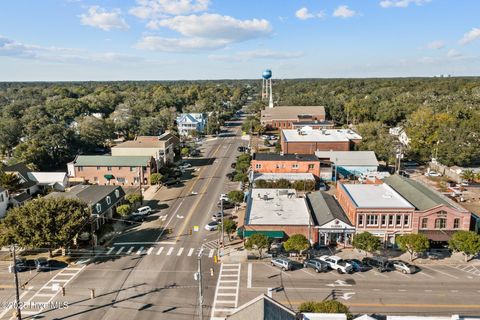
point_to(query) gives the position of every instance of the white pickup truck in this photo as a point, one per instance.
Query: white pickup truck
(337, 263)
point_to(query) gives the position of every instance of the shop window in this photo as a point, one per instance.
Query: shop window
(440, 223)
(456, 223)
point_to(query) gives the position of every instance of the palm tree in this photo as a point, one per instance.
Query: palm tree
(467, 175)
(10, 182)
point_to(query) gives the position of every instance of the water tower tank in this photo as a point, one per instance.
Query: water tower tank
(267, 74)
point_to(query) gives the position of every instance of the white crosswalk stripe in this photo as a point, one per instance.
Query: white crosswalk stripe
(130, 250)
(190, 252)
(163, 250)
(120, 250)
(149, 251)
(160, 251)
(170, 251)
(226, 292)
(179, 253)
(140, 251)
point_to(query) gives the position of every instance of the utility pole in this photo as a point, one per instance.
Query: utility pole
(199, 279)
(221, 210)
(17, 293)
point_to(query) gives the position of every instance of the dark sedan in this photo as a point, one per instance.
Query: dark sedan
(357, 265)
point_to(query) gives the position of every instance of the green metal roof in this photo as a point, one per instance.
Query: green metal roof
(112, 161)
(270, 234)
(418, 194)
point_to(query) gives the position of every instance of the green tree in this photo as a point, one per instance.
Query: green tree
(466, 242)
(329, 306)
(235, 196)
(44, 223)
(468, 175)
(10, 134)
(134, 198)
(10, 181)
(258, 242)
(124, 210)
(366, 242)
(185, 152)
(156, 178)
(413, 243)
(240, 176)
(297, 242)
(95, 132)
(229, 226)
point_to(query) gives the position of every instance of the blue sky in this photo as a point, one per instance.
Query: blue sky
(218, 39)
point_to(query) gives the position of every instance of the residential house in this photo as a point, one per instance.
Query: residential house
(308, 140)
(101, 200)
(262, 308)
(3, 202)
(331, 222)
(376, 208)
(28, 186)
(57, 181)
(346, 163)
(285, 163)
(277, 213)
(435, 216)
(121, 170)
(285, 117)
(401, 135)
(161, 148)
(188, 122)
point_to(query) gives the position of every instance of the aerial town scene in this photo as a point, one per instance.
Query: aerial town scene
(240, 159)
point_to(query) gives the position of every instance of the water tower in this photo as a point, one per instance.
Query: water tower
(267, 86)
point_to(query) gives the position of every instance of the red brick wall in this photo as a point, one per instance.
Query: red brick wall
(288, 229)
(286, 167)
(89, 173)
(311, 147)
(448, 213)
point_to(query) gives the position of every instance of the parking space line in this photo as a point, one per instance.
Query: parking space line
(249, 275)
(169, 252)
(130, 250)
(379, 274)
(110, 250)
(180, 252)
(140, 251)
(159, 251)
(444, 273)
(426, 274)
(149, 251)
(405, 275)
(120, 250)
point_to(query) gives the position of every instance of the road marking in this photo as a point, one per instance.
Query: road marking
(402, 290)
(149, 251)
(339, 283)
(376, 289)
(190, 252)
(226, 294)
(447, 274)
(453, 290)
(170, 251)
(110, 250)
(130, 250)
(249, 275)
(180, 252)
(427, 290)
(210, 254)
(425, 274)
(180, 217)
(379, 274)
(405, 275)
(132, 243)
(140, 251)
(223, 312)
(120, 250)
(159, 251)
(4, 312)
(347, 295)
(164, 217)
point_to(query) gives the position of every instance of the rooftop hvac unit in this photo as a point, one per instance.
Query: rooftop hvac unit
(283, 192)
(265, 197)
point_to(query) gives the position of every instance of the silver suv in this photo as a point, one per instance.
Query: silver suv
(403, 266)
(283, 263)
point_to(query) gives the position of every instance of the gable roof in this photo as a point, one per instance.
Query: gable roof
(418, 194)
(186, 118)
(284, 157)
(22, 171)
(48, 177)
(325, 208)
(112, 161)
(262, 307)
(157, 142)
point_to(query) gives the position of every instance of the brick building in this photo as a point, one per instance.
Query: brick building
(436, 216)
(376, 208)
(308, 140)
(285, 163)
(285, 117)
(115, 170)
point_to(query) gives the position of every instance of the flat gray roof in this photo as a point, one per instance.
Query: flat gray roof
(349, 158)
(276, 207)
(320, 135)
(287, 176)
(375, 196)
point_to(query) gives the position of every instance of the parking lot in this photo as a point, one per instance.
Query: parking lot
(445, 289)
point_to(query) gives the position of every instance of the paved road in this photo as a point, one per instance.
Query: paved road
(147, 273)
(436, 289)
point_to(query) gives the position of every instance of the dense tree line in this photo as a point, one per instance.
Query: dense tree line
(440, 115)
(46, 124)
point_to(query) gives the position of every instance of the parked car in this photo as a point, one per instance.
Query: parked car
(380, 263)
(224, 197)
(230, 176)
(226, 205)
(134, 219)
(171, 182)
(357, 265)
(241, 149)
(233, 165)
(337, 263)
(211, 226)
(42, 264)
(316, 264)
(404, 173)
(143, 211)
(194, 153)
(403, 266)
(218, 216)
(432, 174)
(185, 166)
(283, 263)
(21, 264)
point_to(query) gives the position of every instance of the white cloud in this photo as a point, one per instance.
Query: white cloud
(12, 48)
(100, 18)
(155, 9)
(258, 54)
(304, 14)
(401, 3)
(155, 43)
(436, 45)
(452, 53)
(470, 36)
(343, 12)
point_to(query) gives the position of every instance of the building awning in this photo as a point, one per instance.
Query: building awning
(438, 235)
(271, 234)
(108, 176)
